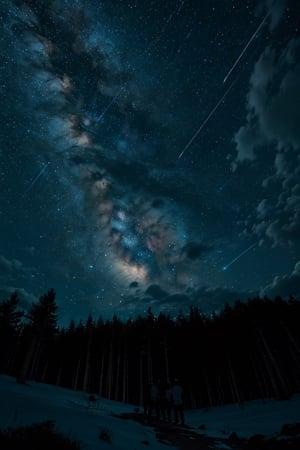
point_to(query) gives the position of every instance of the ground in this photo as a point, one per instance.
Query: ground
(188, 438)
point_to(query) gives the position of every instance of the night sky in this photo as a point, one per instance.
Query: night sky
(149, 153)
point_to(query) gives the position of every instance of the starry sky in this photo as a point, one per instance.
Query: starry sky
(149, 153)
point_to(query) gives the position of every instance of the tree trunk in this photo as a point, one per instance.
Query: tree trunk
(101, 373)
(10, 361)
(110, 371)
(76, 374)
(141, 379)
(34, 364)
(87, 370)
(44, 372)
(208, 388)
(258, 378)
(276, 368)
(58, 376)
(166, 362)
(235, 390)
(125, 375)
(117, 374)
(23, 374)
(149, 362)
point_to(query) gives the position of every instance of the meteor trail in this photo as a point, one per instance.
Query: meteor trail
(110, 104)
(36, 178)
(176, 11)
(205, 121)
(98, 118)
(245, 48)
(238, 257)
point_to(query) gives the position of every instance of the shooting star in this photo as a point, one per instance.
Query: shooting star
(206, 120)
(175, 11)
(36, 178)
(245, 48)
(98, 118)
(110, 104)
(224, 268)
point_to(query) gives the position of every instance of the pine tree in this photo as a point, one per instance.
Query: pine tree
(10, 326)
(89, 331)
(43, 315)
(42, 327)
(10, 317)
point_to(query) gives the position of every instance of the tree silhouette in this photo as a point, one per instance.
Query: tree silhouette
(41, 327)
(249, 350)
(10, 327)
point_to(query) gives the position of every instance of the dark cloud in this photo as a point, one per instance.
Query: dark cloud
(26, 298)
(195, 250)
(284, 285)
(32, 251)
(275, 10)
(158, 203)
(210, 299)
(271, 103)
(168, 304)
(272, 132)
(12, 269)
(207, 299)
(156, 292)
(176, 302)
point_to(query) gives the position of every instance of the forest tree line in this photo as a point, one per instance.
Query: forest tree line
(248, 351)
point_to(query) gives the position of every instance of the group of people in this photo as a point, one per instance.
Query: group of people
(165, 400)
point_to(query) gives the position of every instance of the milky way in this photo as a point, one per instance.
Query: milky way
(98, 107)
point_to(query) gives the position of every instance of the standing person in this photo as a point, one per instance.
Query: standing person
(177, 398)
(154, 400)
(163, 404)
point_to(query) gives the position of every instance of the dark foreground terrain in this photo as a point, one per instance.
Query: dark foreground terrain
(188, 438)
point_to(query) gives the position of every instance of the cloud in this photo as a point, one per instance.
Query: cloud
(156, 292)
(11, 269)
(26, 298)
(31, 250)
(284, 285)
(272, 133)
(275, 10)
(210, 299)
(247, 138)
(194, 250)
(207, 299)
(273, 117)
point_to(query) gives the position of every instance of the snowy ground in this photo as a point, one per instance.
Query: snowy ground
(256, 417)
(35, 402)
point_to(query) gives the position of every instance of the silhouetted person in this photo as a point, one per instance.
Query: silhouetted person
(165, 401)
(154, 400)
(177, 399)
